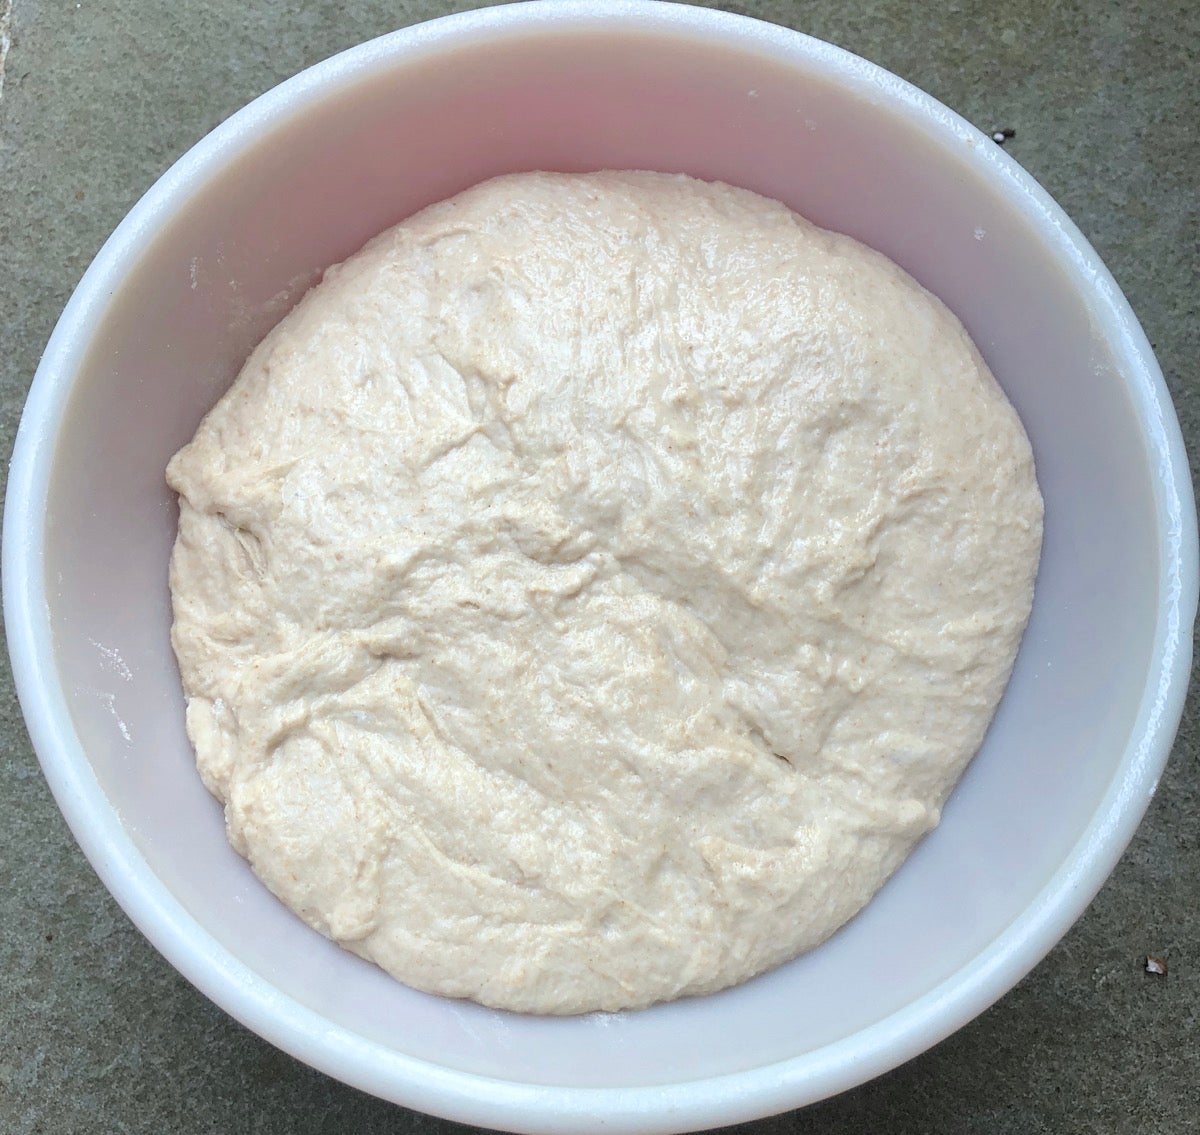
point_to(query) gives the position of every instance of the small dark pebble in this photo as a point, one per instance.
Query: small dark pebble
(1002, 135)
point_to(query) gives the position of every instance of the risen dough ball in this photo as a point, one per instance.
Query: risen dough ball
(592, 590)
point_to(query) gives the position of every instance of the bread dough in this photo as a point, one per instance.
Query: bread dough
(592, 590)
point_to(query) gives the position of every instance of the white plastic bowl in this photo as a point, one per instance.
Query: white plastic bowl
(223, 244)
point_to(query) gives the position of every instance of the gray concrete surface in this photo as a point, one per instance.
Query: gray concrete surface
(99, 1034)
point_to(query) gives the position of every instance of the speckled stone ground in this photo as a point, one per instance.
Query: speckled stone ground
(99, 1034)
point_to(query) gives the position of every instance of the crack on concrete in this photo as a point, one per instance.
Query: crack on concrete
(5, 38)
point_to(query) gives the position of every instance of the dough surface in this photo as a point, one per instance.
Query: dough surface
(592, 590)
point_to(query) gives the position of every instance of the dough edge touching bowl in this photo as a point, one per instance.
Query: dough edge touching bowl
(125, 851)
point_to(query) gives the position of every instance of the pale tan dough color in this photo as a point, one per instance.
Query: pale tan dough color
(593, 589)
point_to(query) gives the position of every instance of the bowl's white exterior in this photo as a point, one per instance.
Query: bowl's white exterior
(219, 248)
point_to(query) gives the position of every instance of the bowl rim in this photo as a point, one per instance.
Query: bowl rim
(487, 1101)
